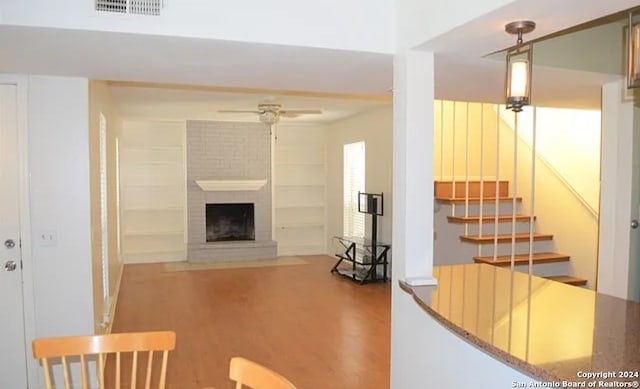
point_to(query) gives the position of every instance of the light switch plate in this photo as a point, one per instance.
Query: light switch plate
(48, 238)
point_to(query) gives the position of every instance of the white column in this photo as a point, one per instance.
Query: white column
(413, 168)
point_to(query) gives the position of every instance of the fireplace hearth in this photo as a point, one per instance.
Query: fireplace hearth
(230, 222)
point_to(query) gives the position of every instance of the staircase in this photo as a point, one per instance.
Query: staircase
(473, 211)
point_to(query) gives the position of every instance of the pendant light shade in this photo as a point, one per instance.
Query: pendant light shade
(633, 51)
(519, 66)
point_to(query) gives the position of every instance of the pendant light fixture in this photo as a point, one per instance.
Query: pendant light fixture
(519, 66)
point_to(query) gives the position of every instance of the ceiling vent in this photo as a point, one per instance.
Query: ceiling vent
(132, 7)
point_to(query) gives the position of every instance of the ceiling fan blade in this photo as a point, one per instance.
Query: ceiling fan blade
(237, 111)
(301, 111)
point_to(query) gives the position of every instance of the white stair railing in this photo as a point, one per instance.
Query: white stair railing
(470, 132)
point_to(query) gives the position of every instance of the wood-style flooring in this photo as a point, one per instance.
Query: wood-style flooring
(319, 330)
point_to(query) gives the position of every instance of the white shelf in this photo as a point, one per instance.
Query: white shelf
(301, 163)
(281, 147)
(151, 185)
(137, 209)
(140, 252)
(317, 224)
(153, 256)
(153, 233)
(153, 163)
(152, 191)
(152, 148)
(316, 206)
(300, 185)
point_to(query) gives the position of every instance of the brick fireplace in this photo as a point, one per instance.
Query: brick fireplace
(228, 163)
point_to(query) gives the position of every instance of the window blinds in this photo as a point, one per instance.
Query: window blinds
(353, 176)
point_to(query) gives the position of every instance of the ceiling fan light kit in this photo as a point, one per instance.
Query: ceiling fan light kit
(270, 113)
(269, 117)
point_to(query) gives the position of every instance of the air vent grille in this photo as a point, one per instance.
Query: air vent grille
(134, 7)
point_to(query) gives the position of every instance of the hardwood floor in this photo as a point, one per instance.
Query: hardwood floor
(319, 330)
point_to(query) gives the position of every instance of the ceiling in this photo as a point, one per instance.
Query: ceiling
(184, 103)
(206, 75)
(179, 60)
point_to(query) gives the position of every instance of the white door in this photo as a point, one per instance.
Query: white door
(13, 368)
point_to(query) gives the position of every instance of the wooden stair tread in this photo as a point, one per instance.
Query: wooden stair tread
(522, 237)
(487, 219)
(505, 260)
(568, 280)
(476, 200)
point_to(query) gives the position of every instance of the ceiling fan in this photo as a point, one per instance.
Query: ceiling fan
(270, 113)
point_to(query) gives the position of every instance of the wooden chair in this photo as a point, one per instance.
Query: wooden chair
(70, 348)
(255, 376)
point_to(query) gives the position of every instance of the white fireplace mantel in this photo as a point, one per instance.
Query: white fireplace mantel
(230, 185)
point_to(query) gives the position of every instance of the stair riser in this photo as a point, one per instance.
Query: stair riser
(445, 189)
(520, 248)
(464, 253)
(489, 229)
(488, 209)
(546, 269)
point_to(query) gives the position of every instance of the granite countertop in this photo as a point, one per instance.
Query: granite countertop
(549, 330)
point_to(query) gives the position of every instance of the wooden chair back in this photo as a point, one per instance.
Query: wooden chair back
(86, 348)
(255, 376)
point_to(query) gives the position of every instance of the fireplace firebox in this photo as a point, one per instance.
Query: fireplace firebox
(229, 222)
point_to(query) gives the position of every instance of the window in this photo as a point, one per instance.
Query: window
(353, 176)
(118, 230)
(104, 226)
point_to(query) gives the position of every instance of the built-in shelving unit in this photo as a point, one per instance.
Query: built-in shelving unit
(300, 199)
(152, 191)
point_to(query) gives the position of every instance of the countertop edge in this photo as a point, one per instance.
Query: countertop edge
(484, 346)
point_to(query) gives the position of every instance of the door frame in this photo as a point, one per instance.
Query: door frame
(21, 83)
(615, 191)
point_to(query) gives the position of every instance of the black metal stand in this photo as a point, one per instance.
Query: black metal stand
(364, 258)
(365, 255)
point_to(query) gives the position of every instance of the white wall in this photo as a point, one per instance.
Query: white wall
(568, 141)
(418, 21)
(58, 120)
(558, 211)
(597, 49)
(363, 25)
(375, 129)
(437, 358)
(59, 166)
(616, 186)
